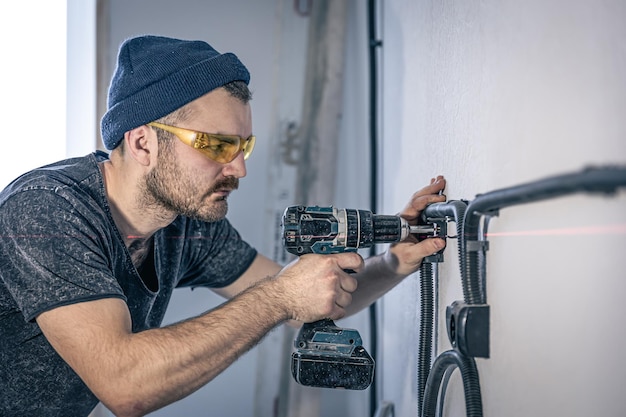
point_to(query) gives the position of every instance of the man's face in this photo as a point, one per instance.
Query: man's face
(186, 182)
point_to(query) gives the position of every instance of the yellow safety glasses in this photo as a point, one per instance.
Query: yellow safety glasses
(220, 148)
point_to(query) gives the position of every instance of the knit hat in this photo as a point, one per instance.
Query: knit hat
(157, 75)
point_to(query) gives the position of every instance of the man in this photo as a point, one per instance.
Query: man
(91, 248)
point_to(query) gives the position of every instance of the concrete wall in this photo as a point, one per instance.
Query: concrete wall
(493, 94)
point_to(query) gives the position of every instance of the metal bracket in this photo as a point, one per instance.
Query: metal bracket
(440, 230)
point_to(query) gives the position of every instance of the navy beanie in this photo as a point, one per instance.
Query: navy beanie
(156, 75)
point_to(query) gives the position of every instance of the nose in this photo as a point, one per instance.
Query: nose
(235, 168)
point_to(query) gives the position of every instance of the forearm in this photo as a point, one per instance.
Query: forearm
(377, 278)
(135, 373)
(179, 359)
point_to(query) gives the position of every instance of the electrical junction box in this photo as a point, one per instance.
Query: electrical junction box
(468, 328)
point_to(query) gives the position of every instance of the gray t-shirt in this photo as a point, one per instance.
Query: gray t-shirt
(59, 246)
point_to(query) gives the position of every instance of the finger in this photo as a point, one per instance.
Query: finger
(338, 313)
(350, 260)
(430, 246)
(343, 300)
(433, 180)
(419, 203)
(348, 283)
(435, 187)
(432, 193)
(337, 310)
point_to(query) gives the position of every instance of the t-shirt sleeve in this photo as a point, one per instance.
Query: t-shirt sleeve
(215, 254)
(53, 252)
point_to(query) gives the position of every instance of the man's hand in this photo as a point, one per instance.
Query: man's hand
(315, 287)
(409, 253)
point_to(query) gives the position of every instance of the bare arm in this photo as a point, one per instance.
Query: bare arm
(135, 373)
(260, 268)
(382, 272)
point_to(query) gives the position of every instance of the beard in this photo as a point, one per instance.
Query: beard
(172, 189)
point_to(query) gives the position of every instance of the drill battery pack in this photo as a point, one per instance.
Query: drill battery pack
(325, 370)
(328, 356)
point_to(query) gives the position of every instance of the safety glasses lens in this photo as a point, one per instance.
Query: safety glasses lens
(222, 148)
(248, 146)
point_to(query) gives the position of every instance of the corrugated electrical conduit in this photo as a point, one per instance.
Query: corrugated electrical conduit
(441, 213)
(472, 223)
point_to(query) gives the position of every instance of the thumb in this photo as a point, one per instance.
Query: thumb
(431, 246)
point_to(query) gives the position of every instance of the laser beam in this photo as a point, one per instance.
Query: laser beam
(614, 229)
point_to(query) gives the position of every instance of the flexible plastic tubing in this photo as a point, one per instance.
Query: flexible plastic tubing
(426, 330)
(456, 210)
(374, 45)
(452, 359)
(453, 209)
(472, 259)
(593, 180)
(444, 387)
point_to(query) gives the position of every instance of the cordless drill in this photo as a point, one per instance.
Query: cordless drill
(326, 355)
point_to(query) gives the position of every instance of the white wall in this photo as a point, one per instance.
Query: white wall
(32, 113)
(493, 94)
(82, 121)
(490, 94)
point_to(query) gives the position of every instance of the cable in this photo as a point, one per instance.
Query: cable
(594, 179)
(426, 330)
(434, 213)
(452, 359)
(444, 387)
(373, 43)
(473, 248)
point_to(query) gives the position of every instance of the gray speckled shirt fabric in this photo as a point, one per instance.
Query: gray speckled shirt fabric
(59, 246)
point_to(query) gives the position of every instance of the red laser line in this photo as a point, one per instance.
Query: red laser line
(615, 229)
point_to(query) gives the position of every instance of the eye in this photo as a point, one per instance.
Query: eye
(220, 148)
(210, 144)
(214, 146)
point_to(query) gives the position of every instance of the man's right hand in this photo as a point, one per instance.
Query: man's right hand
(314, 287)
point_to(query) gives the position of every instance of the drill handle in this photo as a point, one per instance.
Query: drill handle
(308, 330)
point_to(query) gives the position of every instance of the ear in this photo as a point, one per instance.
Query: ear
(141, 145)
